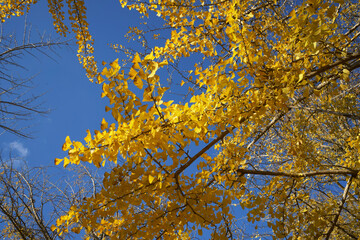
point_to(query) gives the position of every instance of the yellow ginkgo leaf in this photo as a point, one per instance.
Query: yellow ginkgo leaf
(155, 68)
(67, 144)
(53, 228)
(136, 59)
(88, 136)
(104, 124)
(57, 161)
(149, 57)
(138, 82)
(151, 179)
(132, 73)
(66, 161)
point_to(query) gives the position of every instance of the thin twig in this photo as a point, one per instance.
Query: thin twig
(343, 200)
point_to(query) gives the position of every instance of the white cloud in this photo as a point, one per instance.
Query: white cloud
(19, 148)
(14, 154)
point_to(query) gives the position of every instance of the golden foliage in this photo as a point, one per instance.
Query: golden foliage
(271, 125)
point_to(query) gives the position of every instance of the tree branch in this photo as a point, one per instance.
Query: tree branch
(343, 200)
(330, 66)
(353, 173)
(207, 147)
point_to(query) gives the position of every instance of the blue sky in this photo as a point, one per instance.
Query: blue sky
(74, 102)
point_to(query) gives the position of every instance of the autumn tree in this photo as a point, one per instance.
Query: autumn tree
(270, 125)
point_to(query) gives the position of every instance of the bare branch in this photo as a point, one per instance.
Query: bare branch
(298, 175)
